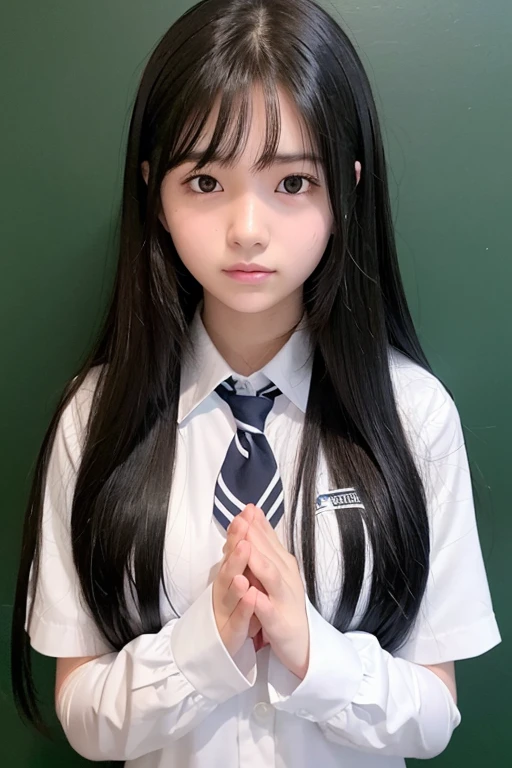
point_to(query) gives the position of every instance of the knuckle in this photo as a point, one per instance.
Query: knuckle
(236, 526)
(240, 552)
(240, 584)
(273, 574)
(233, 555)
(268, 566)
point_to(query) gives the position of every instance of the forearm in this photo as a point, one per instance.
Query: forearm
(363, 697)
(401, 709)
(157, 688)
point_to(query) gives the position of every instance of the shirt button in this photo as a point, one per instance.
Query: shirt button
(262, 711)
(302, 712)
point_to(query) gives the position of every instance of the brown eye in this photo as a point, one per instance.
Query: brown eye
(293, 184)
(206, 183)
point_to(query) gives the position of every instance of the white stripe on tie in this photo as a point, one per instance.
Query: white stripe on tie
(240, 447)
(247, 427)
(266, 493)
(231, 496)
(275, 505)
(223, 509)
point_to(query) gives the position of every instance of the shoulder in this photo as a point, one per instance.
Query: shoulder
(72, 425)
(416, 389)
(428, 413)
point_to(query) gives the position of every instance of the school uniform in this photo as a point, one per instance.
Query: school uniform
(177, 698)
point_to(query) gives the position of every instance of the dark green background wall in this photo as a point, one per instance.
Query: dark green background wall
(442, 73)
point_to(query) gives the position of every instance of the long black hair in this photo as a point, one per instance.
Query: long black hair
(354, 303)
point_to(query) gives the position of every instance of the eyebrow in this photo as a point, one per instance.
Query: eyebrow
(281, 158)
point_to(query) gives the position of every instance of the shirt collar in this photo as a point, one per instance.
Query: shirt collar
(203, 371)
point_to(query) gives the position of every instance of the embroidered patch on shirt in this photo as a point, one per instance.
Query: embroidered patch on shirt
(341, 498)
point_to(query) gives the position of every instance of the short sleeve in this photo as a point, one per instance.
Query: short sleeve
(456, 618)
(60, 625)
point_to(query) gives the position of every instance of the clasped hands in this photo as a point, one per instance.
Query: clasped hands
(279, 615)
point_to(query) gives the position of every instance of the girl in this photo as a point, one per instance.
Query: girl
(251, 539)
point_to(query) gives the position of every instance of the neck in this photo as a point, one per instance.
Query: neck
(248, 341)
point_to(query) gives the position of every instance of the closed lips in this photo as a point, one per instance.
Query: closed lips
(248, 268)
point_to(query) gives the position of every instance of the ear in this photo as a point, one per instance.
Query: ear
(145, 174)
(358, 177)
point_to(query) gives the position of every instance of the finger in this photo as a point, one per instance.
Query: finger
(271, 548)
(236, 531)
(238, 587)
(236, 562)
(233, 567)
(253, 581)
(247, 513)
(225, 603)
(239, 522)
(267, 571)
(236, 630)
(265, 612)
(246, 517)
(261, 520)
(254, 626)
(238, 527)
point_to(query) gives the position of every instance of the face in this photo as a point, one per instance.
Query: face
(278, 219)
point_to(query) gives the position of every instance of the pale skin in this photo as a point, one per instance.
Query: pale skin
(253, 218)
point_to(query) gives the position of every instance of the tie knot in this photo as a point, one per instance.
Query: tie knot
(249, 410)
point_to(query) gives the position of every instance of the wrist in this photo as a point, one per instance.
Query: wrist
(297, 661)
(300, 670)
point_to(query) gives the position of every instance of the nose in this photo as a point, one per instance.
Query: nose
(248, 225)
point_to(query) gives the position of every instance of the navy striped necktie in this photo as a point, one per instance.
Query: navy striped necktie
(249, 474)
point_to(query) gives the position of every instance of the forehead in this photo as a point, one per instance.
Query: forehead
(269, 127)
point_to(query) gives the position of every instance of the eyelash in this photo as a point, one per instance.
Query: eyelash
(314, 182)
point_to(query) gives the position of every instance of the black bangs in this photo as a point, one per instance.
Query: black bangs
(232, 126)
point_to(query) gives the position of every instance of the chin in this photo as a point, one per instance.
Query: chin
(249, 304)
(249, 308)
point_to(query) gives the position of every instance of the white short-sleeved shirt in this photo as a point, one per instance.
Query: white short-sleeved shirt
(456, 619)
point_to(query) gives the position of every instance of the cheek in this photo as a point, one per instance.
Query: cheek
(191, 234)
(308, 239)
(300, 240)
